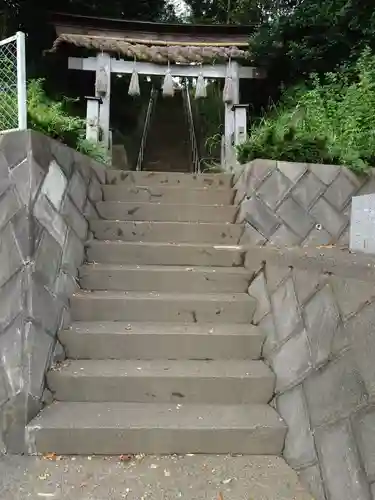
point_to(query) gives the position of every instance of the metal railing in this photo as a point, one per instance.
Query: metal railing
(13, 98)
(193, 137)
(146, 127)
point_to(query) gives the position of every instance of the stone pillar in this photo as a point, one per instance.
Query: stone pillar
(92, 118)
(229, 156)
(240, 123)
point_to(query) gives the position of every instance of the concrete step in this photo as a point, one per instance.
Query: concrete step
(151, 253)
(116, 177)
(162, 381)
(116, 210)
(119, 340)
(165, 194)
(164, 278)
(118, 428)
(183, 232)
(136, 306)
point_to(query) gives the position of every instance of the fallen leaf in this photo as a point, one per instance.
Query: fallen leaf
(50, 456)
(125, 458)
(227, 481)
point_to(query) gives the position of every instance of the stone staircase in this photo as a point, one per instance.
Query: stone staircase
(162, 356)
(168, 142)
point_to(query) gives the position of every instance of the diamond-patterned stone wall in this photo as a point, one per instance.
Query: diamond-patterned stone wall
(296, 204)
(46, 192)
(317, 310)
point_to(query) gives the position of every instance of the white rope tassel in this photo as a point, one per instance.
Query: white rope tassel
(134, 88)
(200, 89)
(168, 86)
(228, 86)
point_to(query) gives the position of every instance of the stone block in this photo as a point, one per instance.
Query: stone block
(47, 260)
(361, 334)
(54, 185)
(3, 390)
(16, 413)
(77, 190)
(317, 237)
(38, 349)
(74, 218)
(13, 298)
(10, 258)
(4, 173)
(50, 219)
(283, 237)
(44, 308)
(271, 342)
(299, 449)
(274, 189)
(311, 478)
(296, 217)
(344, 238)
(293, 171)
(257, 289)
(258, 215)
(251, 236)
(335, 391)
(292, 362)
(58, 355)
(63, 156)
(10, 204)
(84, 165)
(307, 190)
(343, 475)
(15, 147)
(73, 253)
(340, 191)
(26, 233)
(328, 217)
(41, 149)
(351, 295)
(95, 192)
(275, 275)
(372, 489)
(286, 311)
(241, 184)
(65, 286)
(325, 173)
(306, 283)
(258, 171)
(322, 321)
(89, 211)
(364, 431)
(27, 177)
(11, 359)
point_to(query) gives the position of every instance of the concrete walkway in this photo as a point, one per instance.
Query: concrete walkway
(197, 477)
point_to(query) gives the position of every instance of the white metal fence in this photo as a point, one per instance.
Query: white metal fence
(13, 100)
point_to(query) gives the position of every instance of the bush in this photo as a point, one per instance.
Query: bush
(327, 120)
(51, 118)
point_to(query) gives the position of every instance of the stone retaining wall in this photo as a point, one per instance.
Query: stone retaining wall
(46, 192)
(317, 310)
(296, 204)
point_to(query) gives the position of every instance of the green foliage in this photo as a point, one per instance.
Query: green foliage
(328, 120)
(53, 119)
(209, 119)
(304, 36)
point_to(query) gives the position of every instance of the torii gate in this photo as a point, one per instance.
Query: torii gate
(217, 51)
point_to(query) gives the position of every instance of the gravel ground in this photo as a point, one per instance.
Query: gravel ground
(193, 477)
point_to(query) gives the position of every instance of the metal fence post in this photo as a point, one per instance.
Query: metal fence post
(13, 97)
(21, 80)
